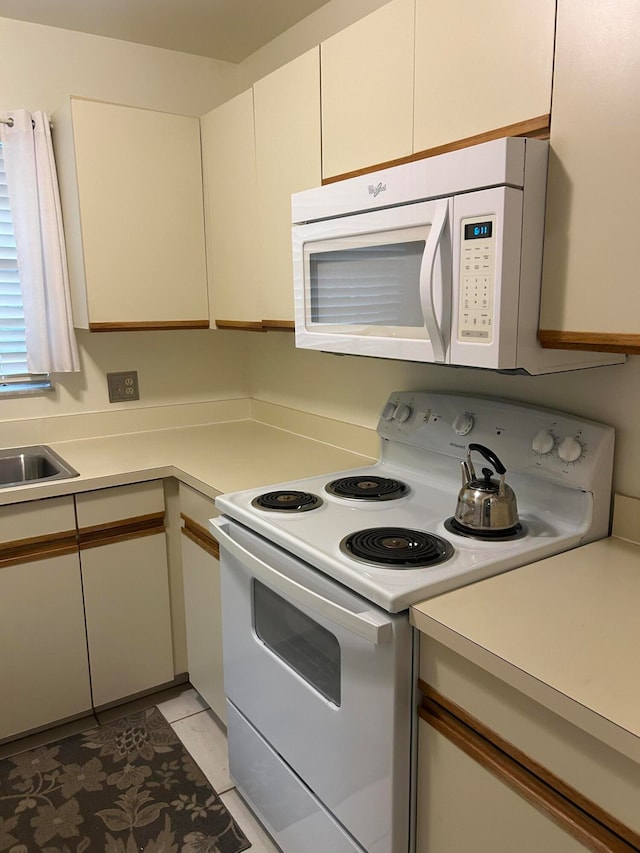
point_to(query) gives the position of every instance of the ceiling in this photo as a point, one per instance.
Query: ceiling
(229, 30)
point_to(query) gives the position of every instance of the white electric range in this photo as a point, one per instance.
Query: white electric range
(317, 577)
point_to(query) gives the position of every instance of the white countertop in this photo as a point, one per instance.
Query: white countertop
(564, 631)
(215, 458)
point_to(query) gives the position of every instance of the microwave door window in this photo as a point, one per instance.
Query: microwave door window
(368, 288)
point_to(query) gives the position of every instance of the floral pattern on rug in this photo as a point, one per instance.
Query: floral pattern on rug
(125, 787)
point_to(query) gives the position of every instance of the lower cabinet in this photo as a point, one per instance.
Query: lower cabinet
(84, 604)
(125, 578)
(498, 772)
(463, 806)
(44, 672)
(203, 608)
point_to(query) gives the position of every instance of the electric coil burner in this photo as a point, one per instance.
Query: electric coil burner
(367, 488)
(506, 535)
(396, 547)
(287, 501)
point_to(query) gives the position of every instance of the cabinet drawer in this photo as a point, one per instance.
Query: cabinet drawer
(119, 503)
(196, 506)
(36, 518)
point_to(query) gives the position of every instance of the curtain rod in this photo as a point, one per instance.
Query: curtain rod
(10, 122)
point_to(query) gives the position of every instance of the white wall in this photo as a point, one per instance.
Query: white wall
(353, 389)
(40, 67)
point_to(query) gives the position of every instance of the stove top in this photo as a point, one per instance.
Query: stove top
(398, 508)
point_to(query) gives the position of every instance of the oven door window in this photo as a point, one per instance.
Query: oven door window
(304, 645)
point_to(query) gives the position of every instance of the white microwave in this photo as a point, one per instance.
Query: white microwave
(438, 260)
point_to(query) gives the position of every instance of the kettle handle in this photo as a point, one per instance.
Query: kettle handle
(490, 456)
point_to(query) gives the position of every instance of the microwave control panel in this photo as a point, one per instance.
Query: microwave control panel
(477, 268)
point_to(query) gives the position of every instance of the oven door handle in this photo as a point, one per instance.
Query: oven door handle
(370, 625)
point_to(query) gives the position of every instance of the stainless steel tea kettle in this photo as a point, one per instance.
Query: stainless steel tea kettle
(485, 505)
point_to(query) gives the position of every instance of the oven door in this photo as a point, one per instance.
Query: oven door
(325, 678)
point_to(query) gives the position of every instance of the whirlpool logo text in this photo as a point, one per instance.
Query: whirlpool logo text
(376, 189)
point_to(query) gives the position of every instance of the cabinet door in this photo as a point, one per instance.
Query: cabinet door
(123, 553)
(287, 135)
(367, 90)
(203, 610)
(481, 67)
(131, 187)
(462, 806)
(44, 673)
(202, 599)
(589, 293)
(126, 595)
(229, 170)
(43, 653)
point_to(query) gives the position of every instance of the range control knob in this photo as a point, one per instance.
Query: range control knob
(389, 411)
(463, 423)
(403, 413)
(570, 449)
(543, 442)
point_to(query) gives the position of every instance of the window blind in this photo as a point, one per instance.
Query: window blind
(13, 349)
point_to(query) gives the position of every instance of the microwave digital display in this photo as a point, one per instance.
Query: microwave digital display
(478, 230)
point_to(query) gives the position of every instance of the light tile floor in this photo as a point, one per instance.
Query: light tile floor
(202, 735)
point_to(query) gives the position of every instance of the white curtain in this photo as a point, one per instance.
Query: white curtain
(35, 204)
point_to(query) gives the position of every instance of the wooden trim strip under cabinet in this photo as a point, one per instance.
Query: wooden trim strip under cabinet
(580, 817)
(590, 341)
(536, 128)
(121, 530)
(279, 325)
(257, 325)
(149, 326)
(200, 535)
(38, 548)
(240, 325)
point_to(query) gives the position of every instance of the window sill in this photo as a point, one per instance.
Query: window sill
(25, 389)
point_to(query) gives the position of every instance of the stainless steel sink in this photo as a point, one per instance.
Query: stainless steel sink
(20, 465)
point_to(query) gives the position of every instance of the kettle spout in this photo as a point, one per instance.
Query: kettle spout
(468, 471)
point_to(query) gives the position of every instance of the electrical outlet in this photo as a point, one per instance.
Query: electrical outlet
(123, 387)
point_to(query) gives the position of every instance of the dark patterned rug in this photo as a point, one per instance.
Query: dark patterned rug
(125, 787)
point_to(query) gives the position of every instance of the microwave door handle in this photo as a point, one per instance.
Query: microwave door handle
(427, 278)
(370, 625)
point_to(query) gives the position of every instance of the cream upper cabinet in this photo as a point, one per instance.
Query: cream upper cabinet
(131, 190)
(229, 170)
(367, 90)
(258, 148)
(288, 159)
(590, 294)
(480, 67)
